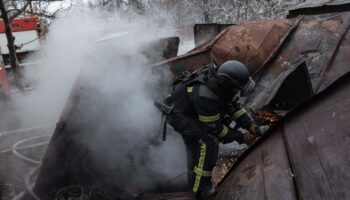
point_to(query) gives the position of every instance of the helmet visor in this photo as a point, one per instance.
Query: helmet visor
(248, 88)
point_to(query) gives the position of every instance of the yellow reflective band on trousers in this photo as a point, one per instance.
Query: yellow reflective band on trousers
(202, 172)
(189, 89)
(199, 168)
(211, 118)
(239, 113)
(224, 132)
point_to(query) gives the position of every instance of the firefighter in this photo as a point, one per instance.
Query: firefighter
(204, 103)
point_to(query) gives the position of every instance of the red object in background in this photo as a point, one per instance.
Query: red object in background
(3, 81)
(21, 24)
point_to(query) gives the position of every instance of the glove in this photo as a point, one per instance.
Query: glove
(263, 129)
(232, 135)
(259, 130)
(248, 138)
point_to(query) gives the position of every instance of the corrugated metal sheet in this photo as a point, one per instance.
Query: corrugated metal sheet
(264, 174)
(306, 157)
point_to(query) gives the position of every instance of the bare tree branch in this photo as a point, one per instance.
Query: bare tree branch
(19, 11)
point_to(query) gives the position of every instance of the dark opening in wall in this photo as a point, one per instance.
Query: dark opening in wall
(294, 90)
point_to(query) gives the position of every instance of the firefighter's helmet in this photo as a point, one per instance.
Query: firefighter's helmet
(235, 75)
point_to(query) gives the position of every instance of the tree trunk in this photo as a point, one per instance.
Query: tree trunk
(206, 11)
(18, 76)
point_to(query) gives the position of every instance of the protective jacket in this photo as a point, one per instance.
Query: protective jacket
(199, 97)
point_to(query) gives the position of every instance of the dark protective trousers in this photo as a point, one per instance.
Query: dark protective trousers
(201, 148)
(202, 154)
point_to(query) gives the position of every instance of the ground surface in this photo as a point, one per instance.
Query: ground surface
(13, 129)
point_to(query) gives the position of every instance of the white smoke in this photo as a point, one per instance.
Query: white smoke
(56, 68)
(115, 114)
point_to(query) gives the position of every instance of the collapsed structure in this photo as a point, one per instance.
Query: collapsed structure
(301, 68)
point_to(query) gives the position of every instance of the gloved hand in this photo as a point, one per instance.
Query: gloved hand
(263, 129)
(259, 130)
(248, 138)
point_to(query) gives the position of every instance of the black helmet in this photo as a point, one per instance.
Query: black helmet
(234, 75)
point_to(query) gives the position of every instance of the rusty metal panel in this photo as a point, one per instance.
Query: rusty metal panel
(339, 64)
(263, 174)
(315, 42)
(318, 141)
(250, 43)
(313, 7)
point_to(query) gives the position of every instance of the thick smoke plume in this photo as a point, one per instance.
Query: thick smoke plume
(115, 119)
